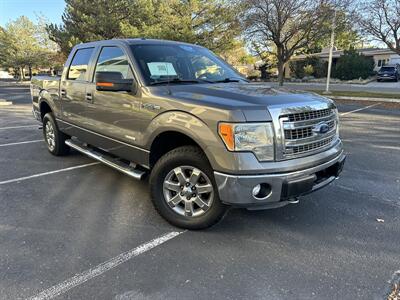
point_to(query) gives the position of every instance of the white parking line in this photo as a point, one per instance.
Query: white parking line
(20, 143)
(359, 109)
(24, 126)
(48, 173)
(80, 278)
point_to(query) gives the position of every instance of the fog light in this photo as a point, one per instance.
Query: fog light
(262, 191)
(256, 190)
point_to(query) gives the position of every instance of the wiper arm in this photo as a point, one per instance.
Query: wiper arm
(230, 79)
(177, 80)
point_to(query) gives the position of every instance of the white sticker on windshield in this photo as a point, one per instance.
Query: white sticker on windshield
(161, 69)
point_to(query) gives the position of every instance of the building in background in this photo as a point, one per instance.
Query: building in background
(381, 57)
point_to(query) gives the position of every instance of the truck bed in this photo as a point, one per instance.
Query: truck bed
(44, 84)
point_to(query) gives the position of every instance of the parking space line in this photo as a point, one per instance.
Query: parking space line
(359, 109)
(49, 173)
(24, 126)
(80, 278)
(20, 143)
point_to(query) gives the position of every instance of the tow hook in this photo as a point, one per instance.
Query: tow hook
(293, 200)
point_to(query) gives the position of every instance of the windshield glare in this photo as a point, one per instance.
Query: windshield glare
(181, 62)
(387, 69)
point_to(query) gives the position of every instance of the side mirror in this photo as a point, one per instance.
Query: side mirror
(114, 81)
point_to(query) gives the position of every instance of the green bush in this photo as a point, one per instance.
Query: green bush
(309, 70)
(352, 65)
(302, 68)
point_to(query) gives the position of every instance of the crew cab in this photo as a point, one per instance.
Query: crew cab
(206, 137)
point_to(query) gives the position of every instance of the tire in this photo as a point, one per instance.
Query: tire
(54, 138)
(170, 192)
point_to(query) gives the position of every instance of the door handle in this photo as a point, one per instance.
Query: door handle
(63, 93)
(89, 97)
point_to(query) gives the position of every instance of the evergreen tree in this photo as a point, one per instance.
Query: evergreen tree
(213, 23)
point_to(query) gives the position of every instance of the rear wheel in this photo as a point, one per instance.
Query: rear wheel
(55, 139)
(184, 191)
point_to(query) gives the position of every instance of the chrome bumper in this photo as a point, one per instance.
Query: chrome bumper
(237, 190)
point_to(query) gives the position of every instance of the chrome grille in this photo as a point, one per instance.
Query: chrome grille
(308, 115)
(301, 134)
(312, 146)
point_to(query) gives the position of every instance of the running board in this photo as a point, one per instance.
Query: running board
(107, 160)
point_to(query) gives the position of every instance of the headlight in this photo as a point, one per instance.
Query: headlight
(254, 137)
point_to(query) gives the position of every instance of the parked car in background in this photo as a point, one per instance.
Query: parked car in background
(206, 136)
(389, 72)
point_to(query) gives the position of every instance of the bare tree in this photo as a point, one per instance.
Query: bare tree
(282, 27)
(381, 20)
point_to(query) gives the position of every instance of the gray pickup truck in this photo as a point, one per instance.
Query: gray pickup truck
(207, 137)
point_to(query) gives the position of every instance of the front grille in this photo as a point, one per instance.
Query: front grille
(301, 135)
(312, 146)
(308, 115)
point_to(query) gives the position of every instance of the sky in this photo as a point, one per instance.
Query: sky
(51, 10)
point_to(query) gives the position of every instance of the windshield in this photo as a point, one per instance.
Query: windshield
(181, 63)
(387, 69)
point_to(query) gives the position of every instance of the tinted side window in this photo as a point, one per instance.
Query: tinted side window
(113, 59)
(79, 64)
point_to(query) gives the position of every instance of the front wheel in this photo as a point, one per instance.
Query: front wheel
(183, 189)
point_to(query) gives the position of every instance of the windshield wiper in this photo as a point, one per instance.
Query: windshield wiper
(229, 79)
(177, 80)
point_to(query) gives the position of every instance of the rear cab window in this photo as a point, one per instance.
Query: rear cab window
(79, 65)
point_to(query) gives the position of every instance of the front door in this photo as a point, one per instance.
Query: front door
(116, 115)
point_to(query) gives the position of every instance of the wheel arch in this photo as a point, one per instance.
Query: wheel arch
(44, 108)
(179, 129)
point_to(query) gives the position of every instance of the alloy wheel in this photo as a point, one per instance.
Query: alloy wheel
(50, 136)
(188, 191)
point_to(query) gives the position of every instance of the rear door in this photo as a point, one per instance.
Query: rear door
(73, 87)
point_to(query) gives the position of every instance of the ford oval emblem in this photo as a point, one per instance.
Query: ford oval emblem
(321, 128)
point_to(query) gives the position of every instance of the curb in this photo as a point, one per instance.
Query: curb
(4, 102)
(388, 100)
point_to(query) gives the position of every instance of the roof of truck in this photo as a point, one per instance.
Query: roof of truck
(135, 41)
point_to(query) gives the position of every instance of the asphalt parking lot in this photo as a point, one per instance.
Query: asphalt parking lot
(73, 229)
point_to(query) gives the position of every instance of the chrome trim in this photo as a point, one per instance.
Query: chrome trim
(303, 124)
(311, 139)
(314, 151)
(279, 117)
(137, 174)
(107, 137)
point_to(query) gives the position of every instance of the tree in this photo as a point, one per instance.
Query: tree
(285, 25)
(213, 24)
(90, 20)
(346, 34)
(352, 65)
(24, 44)
(381, 20)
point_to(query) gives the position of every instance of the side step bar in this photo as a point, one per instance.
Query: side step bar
(107, 160)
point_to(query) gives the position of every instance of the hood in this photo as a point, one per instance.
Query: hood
(238, 95)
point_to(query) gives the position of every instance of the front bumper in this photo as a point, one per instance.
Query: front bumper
(387, 77)
(279, 188)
